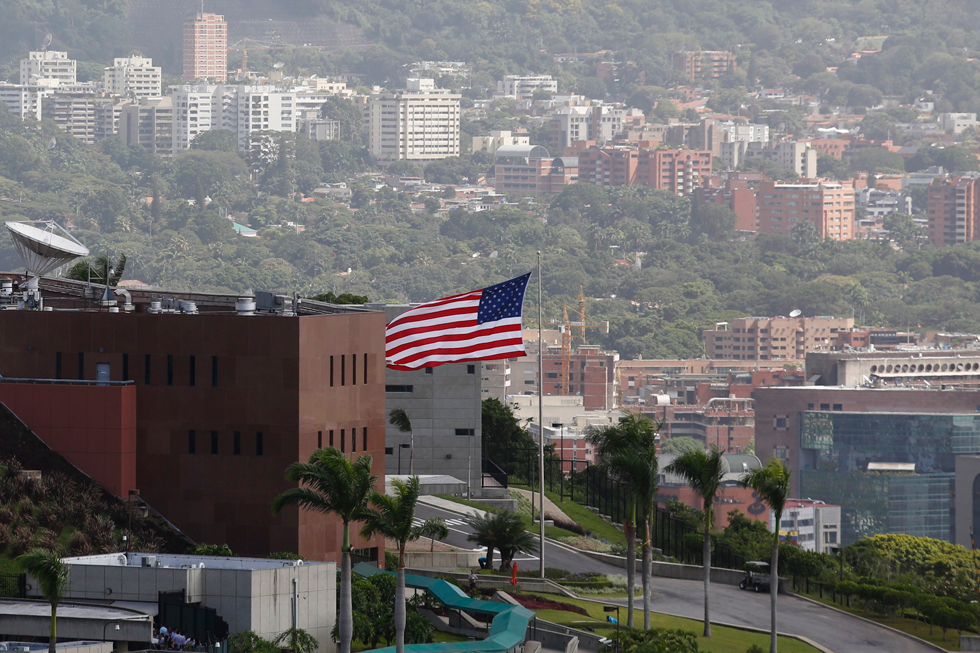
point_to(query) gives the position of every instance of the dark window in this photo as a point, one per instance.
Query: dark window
(824, 406)
(471, 369)
(126, 367)
(192, 374)
(342, 438)
(343, 372)
(319, 439)
(170, 369)
(353, 369)
(191, 442)
(364, 439)
(57, 367)
(365, 369)
(236, 443)
(781, 422)
(259, 444)
(430, 370)
(809, 406)
(331, 371)
(214, 443)
(81, 366)
(353, 439)
(838, 407)
(552, 375)
(331, 437)
(146, 370)
(389, 451)
(214, 371)
(399, 388)
(465, 431)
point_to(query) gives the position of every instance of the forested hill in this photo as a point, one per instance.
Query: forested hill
(930, 45)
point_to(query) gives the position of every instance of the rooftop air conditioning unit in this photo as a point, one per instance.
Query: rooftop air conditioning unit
(149, 561)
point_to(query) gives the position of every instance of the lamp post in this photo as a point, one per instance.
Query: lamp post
(108, 623)
(400, 447)
(614, 608)
(561, 459)
(129, 530)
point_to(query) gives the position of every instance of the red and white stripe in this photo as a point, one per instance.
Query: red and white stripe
(445, 331)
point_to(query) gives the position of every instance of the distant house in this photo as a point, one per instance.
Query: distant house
(242, 230)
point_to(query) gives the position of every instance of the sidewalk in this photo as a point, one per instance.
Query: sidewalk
(451, 506)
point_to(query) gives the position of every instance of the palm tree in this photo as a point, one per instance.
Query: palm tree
(704, 472)
(394, 518)
(625, 451)
(771, 483)
(329, 483)
(52, 576)
(398, 418)
(646, 490)
(500, 530)
(434, 528)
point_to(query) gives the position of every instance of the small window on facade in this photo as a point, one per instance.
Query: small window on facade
(353, 369)
(259, 444)
(57, 369)
(430, 370)
(471, 369)
(214, 371)
(331, 437)
(465, 431)
(838, 407)
(236, 443)
(365, 369)
(191, 442)
(146, 370)
(343, 371)
(389, 451)
(399, 388)
(319, 439)
(824, 406)
(331, 371)
(125, 369)
(364, 439)
(342, 438)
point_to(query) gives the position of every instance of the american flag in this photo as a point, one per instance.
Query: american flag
(475, 326)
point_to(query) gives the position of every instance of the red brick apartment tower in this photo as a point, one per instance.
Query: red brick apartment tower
(223, 404)
(953, 205)
(206, 48)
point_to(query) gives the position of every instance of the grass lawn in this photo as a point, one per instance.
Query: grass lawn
(904, 624)
(550, 531)
(722, 640)
(588, 520)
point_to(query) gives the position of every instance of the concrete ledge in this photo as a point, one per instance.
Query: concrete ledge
(443, 559)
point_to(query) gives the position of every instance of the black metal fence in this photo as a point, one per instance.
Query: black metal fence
(13, 586)
(191, 619)
(593, 487)
(493, 475)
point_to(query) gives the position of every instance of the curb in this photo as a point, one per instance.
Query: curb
(871, 621)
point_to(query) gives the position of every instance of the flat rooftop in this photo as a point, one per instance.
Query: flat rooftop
(175, 561)
(66, 610)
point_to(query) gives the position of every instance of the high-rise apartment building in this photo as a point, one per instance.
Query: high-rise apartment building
(676, 171)
(133, 77)
(772, 338)
(206, 48)
(703, 65)
(797, 156)
(47, 68)
(150, 124)
(953, 207)
(420, 123)
(23, 101)
(828, 205)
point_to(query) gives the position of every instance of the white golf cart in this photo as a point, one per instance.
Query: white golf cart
(757, 577)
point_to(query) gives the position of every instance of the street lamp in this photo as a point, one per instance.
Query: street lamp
(400, 447)
(129, 530)
(106, 626)
(613, 608)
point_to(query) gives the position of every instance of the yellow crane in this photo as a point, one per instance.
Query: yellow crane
(565, 328)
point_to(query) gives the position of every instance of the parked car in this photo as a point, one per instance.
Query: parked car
(757, 576)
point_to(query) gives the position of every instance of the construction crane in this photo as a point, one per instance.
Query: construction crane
(256, 45)
(565, 328)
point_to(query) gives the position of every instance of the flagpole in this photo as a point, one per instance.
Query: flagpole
(540, 424)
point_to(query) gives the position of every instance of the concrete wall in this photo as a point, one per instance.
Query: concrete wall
(443, 559)
(969, 643)
(248, 599)
(967, 519)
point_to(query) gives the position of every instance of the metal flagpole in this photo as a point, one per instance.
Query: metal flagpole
(540, 423)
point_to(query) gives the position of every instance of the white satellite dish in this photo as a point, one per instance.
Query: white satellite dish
(278, 65)
(795, 312)
(493, 254)
(43, 250)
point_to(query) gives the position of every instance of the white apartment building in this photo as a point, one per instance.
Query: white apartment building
(523, 87)
(957, 123)
(599, 123)
(810, 525)
(799, 157)
(420, 123)
(22, 100)
(48, 68)
(133, 77)
(498, 139)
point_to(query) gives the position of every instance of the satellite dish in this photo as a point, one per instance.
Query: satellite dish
(795, 312)
(53, 143)
(475, 255)
(493, 254)
(43, 250)
(47, 41)
(278, 65)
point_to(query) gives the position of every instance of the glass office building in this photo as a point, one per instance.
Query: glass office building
(836, 449)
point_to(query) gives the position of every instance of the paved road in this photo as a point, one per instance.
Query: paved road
(838, 632)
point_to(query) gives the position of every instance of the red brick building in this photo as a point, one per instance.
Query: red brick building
(676, 171)
(953, 207)
(828, 205)
(740, 199)
(222, 403)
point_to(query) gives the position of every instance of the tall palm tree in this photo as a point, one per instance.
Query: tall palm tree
(398, 418)
(704, 472)
(394, 518)
(646, 490)
(52, 577)
(771, 483)
(500, 530)
(329, 483)
(625, 450)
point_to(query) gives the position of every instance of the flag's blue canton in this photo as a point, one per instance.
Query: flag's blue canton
(503, 300)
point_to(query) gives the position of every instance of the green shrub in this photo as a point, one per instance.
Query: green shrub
(659, 640)
(222, 550)
(285, 555)
(391, 561)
